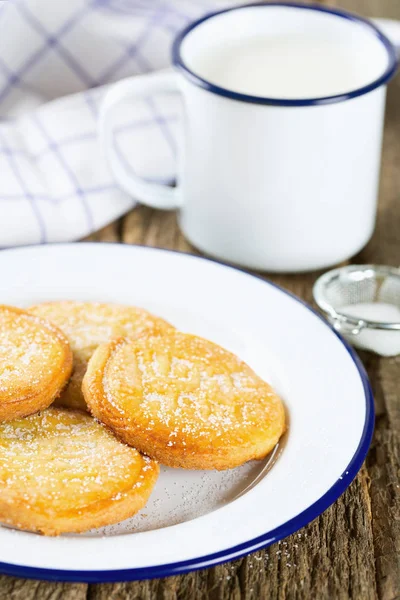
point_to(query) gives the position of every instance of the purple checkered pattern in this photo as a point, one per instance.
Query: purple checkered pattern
(56, 59)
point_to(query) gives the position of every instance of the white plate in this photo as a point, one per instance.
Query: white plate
(198, 519)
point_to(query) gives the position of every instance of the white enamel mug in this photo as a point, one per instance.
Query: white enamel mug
(274, 184)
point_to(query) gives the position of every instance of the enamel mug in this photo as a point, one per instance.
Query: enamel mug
(274, 184)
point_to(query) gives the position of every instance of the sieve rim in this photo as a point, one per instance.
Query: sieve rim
(323, 282)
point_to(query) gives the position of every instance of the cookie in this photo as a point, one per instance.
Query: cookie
(61, 471)
(88, 324)
(184, 401)
(35, 363)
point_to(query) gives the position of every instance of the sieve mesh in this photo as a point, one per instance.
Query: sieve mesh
(357, 284)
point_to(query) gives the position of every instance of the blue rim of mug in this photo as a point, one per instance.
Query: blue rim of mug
(221, 91)
(251, 545)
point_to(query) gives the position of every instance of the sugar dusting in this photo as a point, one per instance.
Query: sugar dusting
(28, 351)
(59, 460)
(88, 324)
(188, 384)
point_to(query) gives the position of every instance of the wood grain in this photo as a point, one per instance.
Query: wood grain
(352, 551)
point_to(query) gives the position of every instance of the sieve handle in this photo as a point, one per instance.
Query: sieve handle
(345, 328)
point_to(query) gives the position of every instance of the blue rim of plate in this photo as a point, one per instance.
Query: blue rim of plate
(221, 91)
(279, 533)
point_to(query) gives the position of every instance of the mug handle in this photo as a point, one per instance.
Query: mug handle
(152, 194)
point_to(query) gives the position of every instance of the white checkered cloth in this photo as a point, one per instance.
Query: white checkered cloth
(54, 184)
(56, 58)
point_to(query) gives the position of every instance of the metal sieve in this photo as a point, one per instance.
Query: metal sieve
(360, 286)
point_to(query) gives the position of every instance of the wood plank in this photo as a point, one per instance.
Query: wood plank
(384, 459)
(369, 8)
(110, 233)
(12, 588)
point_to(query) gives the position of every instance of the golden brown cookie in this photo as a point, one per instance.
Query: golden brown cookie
(184, 401)
(62, 471)
(88, 324)
(35, 363)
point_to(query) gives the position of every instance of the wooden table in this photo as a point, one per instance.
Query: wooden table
(353, 549)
